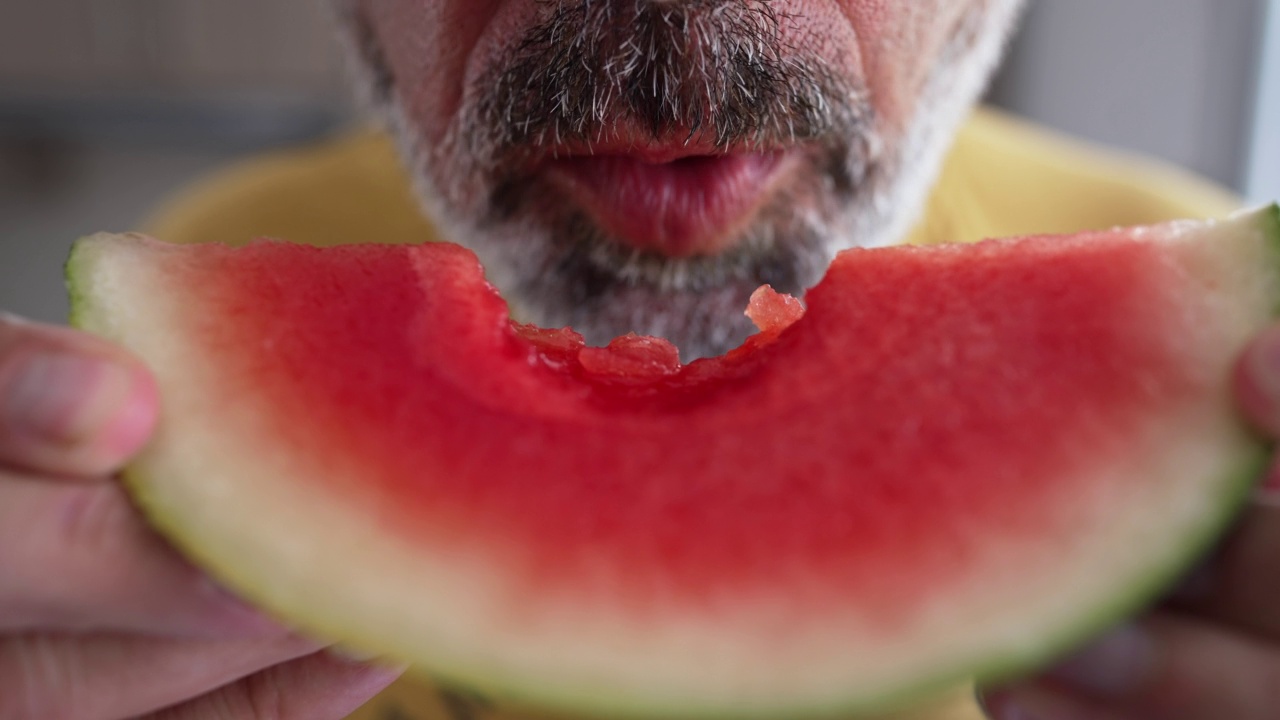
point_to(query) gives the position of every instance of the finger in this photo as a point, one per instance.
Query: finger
(1269, 489)
(317, 687)
(1257, 381)
(66, 676)
(1238, 586)
(1170, 667)
(77, 557)
(70, 404)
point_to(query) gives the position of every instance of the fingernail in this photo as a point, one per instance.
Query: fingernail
(378, 663)
(373, 676)
(1116, 665)
(63, 398)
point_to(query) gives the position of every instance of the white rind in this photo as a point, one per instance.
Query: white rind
(321, 561)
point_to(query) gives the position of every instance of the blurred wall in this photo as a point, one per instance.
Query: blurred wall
(109, 106)
(1262, 181)
(189, 47)
(205, 72)
(1175, 79)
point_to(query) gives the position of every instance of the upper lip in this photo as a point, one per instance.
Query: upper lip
(628, 139)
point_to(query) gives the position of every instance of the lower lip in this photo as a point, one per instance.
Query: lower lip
(693, 206)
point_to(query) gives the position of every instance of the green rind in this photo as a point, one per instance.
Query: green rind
(1011, 665)
(1147, 589)
(511, 697)
(71, 270)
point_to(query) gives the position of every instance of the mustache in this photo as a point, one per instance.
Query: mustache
(710, 73)
(714, 72)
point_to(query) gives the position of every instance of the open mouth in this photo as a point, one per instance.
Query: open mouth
(667, 203)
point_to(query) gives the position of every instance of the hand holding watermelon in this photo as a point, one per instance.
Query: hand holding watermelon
(1213, 650)
(98, 617)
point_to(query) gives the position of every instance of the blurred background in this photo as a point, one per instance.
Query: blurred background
(107, 107)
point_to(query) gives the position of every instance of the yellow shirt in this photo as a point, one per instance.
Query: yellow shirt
(1001, 178)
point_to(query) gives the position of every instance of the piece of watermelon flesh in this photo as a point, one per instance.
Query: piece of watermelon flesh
(946, 432)
(939, 445)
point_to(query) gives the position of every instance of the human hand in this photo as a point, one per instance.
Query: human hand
(99, 618)
(1212, 650)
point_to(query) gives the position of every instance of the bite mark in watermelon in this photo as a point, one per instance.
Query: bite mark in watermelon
(955, 462)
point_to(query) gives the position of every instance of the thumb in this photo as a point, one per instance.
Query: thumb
(70, 404)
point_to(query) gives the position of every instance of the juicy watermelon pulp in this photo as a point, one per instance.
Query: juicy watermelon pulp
(959, 460)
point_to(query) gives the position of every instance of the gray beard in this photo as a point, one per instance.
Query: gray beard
(714, 70)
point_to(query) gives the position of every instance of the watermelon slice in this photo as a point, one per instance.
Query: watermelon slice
(958, 462)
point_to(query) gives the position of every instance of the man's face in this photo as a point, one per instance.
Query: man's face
(644, 165)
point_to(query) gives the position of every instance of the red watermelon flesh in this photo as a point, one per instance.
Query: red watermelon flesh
(953, 462)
